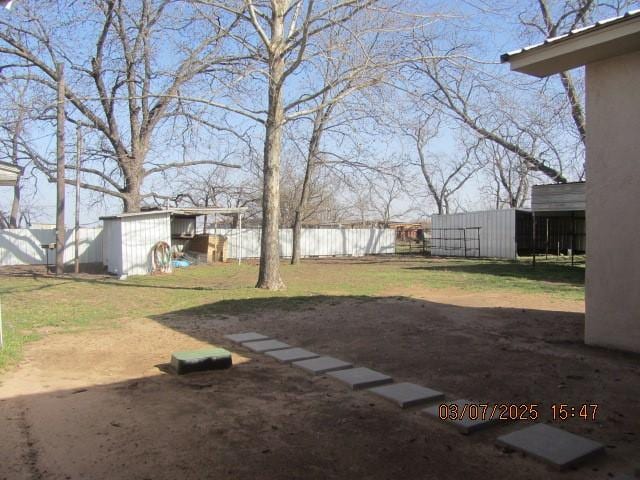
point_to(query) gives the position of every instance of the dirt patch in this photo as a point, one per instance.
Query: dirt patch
(96, 404)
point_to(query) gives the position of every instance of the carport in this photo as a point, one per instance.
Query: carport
(610, 50)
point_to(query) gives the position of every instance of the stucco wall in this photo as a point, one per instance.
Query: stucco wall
(613, 203)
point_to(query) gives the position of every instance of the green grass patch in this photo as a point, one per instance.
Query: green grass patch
(36, 306)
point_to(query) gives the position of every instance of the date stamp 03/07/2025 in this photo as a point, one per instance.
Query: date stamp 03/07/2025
(516, 411)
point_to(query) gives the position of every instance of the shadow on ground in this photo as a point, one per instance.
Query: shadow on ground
(263, 419)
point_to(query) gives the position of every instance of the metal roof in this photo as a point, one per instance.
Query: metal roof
(604, 39)
(8, 174)
(183, 212)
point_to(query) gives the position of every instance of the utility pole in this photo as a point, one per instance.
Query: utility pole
(60, 232)
(77, 229)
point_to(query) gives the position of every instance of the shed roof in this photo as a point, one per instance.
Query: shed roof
(559, 197)
(8, 174)
(604, 39)
(179, 212)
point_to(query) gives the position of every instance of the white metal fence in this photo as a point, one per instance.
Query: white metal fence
(24, 246)
(315, 242)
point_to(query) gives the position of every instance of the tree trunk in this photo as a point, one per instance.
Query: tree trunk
(14, 216)
(133, 184)
(15, 207)
(269, 273)
(60, 171)
(314, 147)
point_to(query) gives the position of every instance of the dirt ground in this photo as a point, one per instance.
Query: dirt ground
(99, 404)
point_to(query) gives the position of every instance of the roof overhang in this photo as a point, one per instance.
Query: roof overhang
(605, 39)
(9, 175)
(180, 212)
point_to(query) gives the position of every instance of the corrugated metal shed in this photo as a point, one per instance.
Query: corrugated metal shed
(561, 197)
(129, 239)
(495, 238)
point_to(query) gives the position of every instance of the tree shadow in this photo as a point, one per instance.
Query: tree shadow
(248, 414)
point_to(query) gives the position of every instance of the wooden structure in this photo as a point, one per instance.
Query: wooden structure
(215, 247)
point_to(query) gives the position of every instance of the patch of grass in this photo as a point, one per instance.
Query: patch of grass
(36, 306)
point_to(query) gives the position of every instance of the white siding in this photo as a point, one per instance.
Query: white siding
(21, 246)
(497, 233)
(183, 226)
(316, 242)
(138, 236)
(112, 246)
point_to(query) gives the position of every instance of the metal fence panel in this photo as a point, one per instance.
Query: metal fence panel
(23, 246)
(314, 242)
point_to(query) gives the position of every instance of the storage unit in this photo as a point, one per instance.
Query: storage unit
(129, 239)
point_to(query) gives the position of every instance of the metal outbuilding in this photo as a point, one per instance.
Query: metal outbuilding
(129, 238)
(490, 233)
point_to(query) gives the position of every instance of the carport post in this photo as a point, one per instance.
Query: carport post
(239, 238)
(534, 239)
(1, 337)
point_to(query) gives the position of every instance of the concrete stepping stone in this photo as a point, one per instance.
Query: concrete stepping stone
(361, 377)
(552, 445)
(200, 360)
(246, 337)
(321, 365)
(292, 355)
(407, 394)
(465, 425)
(266, 345)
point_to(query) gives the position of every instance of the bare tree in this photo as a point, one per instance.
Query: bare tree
(125, 90)
(343, 74)
(509, 176)
(15, 119)
(444, 175)
(286, 32)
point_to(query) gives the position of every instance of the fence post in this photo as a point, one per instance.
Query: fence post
(464, 239)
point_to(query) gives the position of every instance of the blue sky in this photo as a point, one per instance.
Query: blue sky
(492, 26)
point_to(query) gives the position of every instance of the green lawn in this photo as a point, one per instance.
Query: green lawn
(33, 306)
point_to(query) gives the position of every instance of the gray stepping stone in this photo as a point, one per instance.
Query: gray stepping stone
(245, 337)
(361, 377)
(200, 360)
(292, 355)
(321, 365)
(466, 425)
(408, 394)
(266, 345)
(552, 445)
